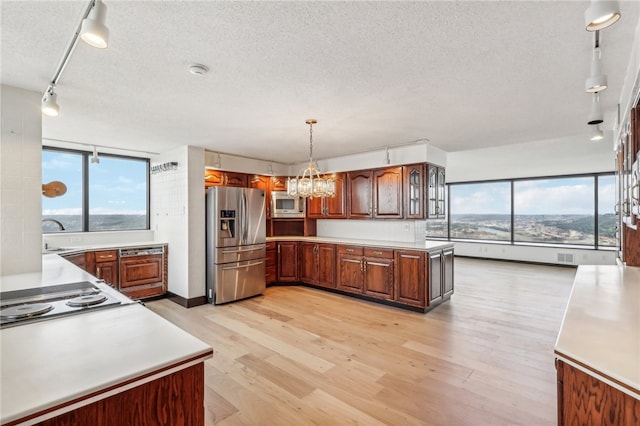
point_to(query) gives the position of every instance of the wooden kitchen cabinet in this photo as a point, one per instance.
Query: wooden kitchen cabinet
(78, 259)
(410, 284)
(278, 183)
(350, 272)
(223, 178)
(142, 276)
(317, 264)
(387, 193)
(378, 272)
(287, 261)
(360, 194)
(106, 266)
(262, 182)
(329, 207)
(270, 265)
(436, 198)
(440, 274)
(375, 193)
(413, 177)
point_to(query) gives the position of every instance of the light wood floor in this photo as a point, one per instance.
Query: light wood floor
(299, 356)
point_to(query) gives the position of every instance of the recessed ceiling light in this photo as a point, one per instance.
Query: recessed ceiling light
(198, 69)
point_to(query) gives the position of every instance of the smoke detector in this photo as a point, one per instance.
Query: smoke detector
(198, 69)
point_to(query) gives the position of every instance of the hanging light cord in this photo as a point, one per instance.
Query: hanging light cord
(68, 52)
(310, 141)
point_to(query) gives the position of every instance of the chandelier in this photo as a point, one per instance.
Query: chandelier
(309, 183)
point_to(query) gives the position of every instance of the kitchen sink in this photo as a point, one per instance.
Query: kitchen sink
(57, 249)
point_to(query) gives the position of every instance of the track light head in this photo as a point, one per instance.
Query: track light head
(601, 14)
(597, 81)
(94, 31)
(50, 104)
(595, 116)
(596, 133)
(94, 158)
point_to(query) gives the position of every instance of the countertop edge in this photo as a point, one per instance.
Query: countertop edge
(426, 245)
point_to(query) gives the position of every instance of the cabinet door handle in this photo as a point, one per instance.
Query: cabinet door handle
(349, 250)
(362, 265)
(369, 211)
(379, 253)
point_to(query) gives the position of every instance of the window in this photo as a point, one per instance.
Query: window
(606, 211)
(480, 211)
(111, 195)
(559, 210)
(575, 210)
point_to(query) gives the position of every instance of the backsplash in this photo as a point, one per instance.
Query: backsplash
(387, 230)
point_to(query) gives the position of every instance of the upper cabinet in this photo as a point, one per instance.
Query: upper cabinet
(279, 183)
(221, 178)
(375, 193)
(436, 199)
(413, 184)
(264, 183)
(329, 207)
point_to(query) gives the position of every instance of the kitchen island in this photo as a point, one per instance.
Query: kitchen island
(598, 348)
(411, 275)
(113, 366)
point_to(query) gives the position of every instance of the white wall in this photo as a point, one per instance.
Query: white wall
(244, 165)
(21, 186)
(389, 230)
(562, 156)
(177, 217)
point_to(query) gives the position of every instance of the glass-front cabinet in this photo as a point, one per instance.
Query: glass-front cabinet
(436, 198)
(414, 205)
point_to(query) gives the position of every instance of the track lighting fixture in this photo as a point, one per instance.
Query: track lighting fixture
(596, 133)
(94, 158)
(387, 160)
(217, 163)
(597, 81)
(270, 170)
(50, 104)
(93, 31)
(595, 116)
(601, 14)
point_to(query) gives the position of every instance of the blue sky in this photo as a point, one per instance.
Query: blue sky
(117, 185)
(539, 196)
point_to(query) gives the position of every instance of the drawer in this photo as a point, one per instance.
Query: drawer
(106, 255)
(352, 250)
(378, 252)
(271, 245)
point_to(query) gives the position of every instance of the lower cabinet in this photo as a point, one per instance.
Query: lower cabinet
(287, 261)
(270, 265)
(142, 276)
(585, 400)
(350, 269)
(106, 266)
(378, 272)
(410, 284)
(318, 264)
(440, 273)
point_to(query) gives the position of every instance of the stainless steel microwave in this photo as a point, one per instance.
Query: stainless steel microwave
(283, 206)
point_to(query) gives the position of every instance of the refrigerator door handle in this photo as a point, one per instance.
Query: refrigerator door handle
(235, 250)
(226, 268)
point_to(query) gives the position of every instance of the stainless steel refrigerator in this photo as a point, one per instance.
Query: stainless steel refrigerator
(236, 243)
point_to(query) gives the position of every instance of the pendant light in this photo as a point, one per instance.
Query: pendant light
(595, 116)
(50, 104)
(94, 31)
(601, 14)
(597, 81)
(309, 183)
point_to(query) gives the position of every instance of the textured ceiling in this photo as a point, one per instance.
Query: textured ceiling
(464, 75)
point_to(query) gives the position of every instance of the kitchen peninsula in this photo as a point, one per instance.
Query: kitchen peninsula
(111, 366)
(413, 275)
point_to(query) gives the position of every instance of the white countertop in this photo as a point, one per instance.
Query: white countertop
(601, 326)
(427, 245)
(68, 249)
(47, 363)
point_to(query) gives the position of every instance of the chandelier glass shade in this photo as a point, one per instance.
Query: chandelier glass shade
(310, 183)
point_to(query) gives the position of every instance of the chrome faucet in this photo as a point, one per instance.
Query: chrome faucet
(57, 222)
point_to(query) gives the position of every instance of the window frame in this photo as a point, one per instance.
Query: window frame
(596, 185)
(86, 158)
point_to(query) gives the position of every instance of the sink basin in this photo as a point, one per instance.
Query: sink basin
(57, 249)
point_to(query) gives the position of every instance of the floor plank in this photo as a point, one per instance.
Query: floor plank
(299, 355)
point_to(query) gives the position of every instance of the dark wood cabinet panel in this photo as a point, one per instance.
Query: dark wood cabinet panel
(175, 399)
(262, 182)
(387, 187)
(413, 177)
(359, 197)
(435, 278)
(78, 259)
(436, 199)
(270, 266)
(350, 274)
(447, 273)
(378, 277)
(329, 207)
(222, 178)
(278, 183)
(585, 400)
(236, 179)
(106, 266)
(317, 264)
(288, 261)
(410, 269)
(142, 276)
